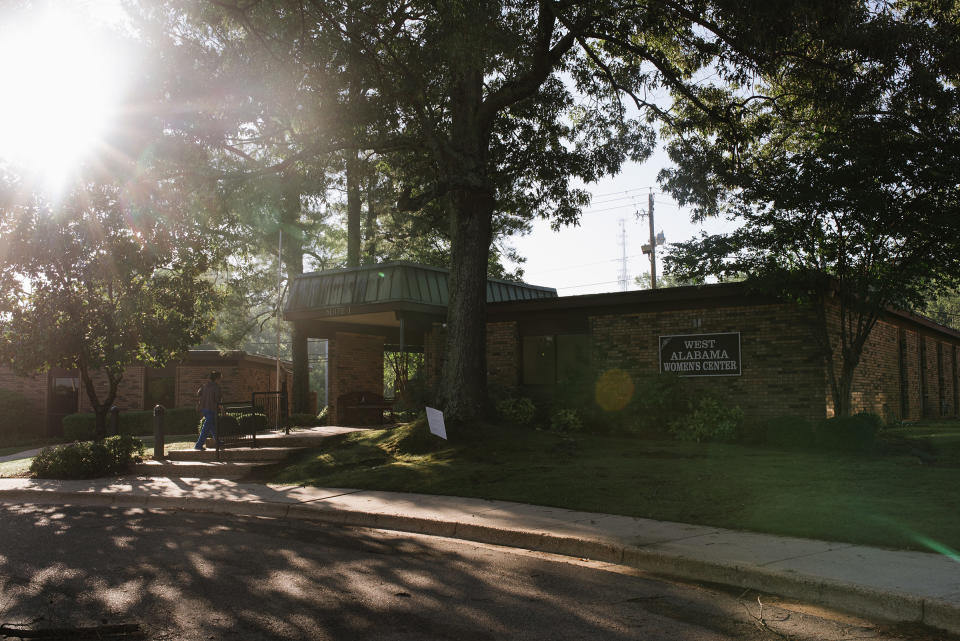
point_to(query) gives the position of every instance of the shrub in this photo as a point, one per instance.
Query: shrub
(519, 411)
(853, 434)
(18, 419)
(564, 420)
(658, 400)
(323, 418)
(709, 420)
(83, 427)
(88, 459)
(791, 432)
(307, 420)
(250, 423)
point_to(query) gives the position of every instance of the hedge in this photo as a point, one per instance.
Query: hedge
(83, 427)
(88, 459)
(18, 419)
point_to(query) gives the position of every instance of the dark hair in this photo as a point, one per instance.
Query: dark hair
(214, 375)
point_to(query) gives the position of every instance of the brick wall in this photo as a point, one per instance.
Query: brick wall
(238, 381)
(914, 386)
(876, 382)
(931, 388)
(949, 409)
(782, 371)
(503, 354)
(355, 365)
(130, 391)
(35, 388)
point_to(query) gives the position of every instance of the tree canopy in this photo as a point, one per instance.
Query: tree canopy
(111, 274)
(487, 111)
(844, 176)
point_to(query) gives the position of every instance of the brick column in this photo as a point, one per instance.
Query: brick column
(355, 364)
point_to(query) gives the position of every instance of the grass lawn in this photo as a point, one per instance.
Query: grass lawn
(892, 501)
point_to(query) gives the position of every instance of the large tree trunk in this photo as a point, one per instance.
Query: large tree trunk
(353, 209)
(370, 231)
(293, 256)
(463, 382)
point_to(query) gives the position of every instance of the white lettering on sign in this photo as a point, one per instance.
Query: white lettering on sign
(701, 354)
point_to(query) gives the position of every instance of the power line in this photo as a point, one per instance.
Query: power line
(606, 282)
(623, 191)
(568, 267)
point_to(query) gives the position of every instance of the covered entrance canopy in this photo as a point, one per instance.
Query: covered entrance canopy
(361, 309)
(382, 299)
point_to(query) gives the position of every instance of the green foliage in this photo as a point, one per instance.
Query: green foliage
(518, 411)
(789, 432)
(843, 178)
(855, 434)
(18, 419)
(181, 420)
(88, 459)
(323, 418)
(252, 423)
(566, 420)
(708, 420)
(226, 426)
(111, 274)
(305, 420)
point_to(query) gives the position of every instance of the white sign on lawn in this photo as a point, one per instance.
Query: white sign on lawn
(435, 420)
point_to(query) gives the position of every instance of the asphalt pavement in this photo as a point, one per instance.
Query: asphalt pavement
(893, 585)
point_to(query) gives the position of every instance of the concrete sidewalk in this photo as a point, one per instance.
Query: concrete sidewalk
(893, 585)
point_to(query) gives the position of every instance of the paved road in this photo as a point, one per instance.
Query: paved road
(203, 576)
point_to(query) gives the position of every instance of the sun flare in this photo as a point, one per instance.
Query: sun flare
(59, 87)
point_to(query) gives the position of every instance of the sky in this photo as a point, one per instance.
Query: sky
(575, 260)
(587, 259)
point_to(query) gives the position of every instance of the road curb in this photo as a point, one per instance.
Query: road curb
(849, 597)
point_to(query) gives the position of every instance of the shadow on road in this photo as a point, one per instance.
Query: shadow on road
(184, 575)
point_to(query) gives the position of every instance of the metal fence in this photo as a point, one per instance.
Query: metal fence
(237, 424)
(273, 405)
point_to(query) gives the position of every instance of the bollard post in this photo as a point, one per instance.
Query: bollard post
(158, 452)
(114, 421)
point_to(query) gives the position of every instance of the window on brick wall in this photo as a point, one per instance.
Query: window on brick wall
(550, 359)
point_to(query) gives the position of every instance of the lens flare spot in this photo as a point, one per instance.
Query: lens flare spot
(614, 390)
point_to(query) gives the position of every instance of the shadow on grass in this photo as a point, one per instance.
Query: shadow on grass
(894, 501)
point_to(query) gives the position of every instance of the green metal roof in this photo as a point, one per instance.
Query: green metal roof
(399, 283)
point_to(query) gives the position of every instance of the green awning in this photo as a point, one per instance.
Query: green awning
(398, 286)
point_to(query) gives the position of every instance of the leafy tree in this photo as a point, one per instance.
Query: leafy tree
(843, 174)
(944, 308)
(108, 276)
(667, 280)
(493, 107)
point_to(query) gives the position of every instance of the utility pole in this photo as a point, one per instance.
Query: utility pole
(653, 244)
(623, 255)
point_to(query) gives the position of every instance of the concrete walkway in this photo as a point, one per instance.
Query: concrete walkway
(887, 584)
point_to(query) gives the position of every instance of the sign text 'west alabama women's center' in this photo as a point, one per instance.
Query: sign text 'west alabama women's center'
(701, 354)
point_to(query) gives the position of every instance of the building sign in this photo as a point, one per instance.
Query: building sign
(335, 311)
(701, 354)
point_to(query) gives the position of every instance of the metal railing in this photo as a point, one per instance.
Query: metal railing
(237, 423)
(274, 406)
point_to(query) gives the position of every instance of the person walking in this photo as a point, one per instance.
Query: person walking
(208, 402)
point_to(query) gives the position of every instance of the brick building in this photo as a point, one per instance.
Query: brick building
(755, 352)
(58, 392)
